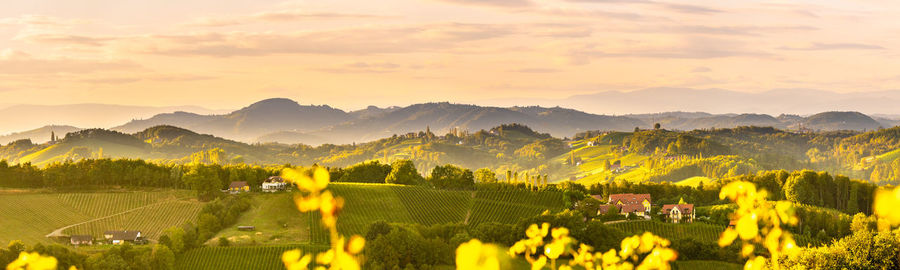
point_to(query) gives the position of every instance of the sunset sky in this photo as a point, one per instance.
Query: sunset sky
(226, 54)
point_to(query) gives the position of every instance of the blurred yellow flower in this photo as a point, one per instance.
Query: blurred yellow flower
(475, 255)
(886, 204)
(32, 261)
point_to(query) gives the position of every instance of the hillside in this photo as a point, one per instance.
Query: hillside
(285, 121)
(38, 135)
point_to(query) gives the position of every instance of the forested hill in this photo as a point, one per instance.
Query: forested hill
(656, 155)
(286, 121)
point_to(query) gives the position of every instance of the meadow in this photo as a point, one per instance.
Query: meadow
(31, 215)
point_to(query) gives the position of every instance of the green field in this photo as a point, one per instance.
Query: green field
(889, 156)
(706, 265)
(672, 231)
(239, 258)
(279, 222)
(694, 181)
(29, 216)
(57, 153)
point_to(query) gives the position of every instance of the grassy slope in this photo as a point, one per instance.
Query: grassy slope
(700, 231)
(368, 203)
(889, 156)
(694, 181)
(593, 158)
(29, 216)
(57, 152)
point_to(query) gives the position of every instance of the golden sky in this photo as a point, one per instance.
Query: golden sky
(227, 54)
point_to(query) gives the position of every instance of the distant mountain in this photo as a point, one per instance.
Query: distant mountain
(179, 118)
(841, 121)
(39, 135)
(291, 137)
(285, 121)
(26, 117)
(260, 118)
(719, 101)
(442, 117)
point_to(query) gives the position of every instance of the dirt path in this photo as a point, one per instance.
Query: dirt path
(58, 232)
(469, 212)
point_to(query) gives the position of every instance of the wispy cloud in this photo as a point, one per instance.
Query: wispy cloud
(676, 7)
(535, 70)
(150, 77)
(834, 46)
(276, 16)
(364, 67)
(360, 41)
(18, 62)
(494, 3)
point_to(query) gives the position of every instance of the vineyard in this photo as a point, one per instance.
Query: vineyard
(368, 203)
(686, 265)
(699, 231)
(31, 216)
(239, 258)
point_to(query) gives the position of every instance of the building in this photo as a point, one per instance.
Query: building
(679, 212)
(627, 204)
(81, 240)
(238, 186)
(274, 184)
(121, 237)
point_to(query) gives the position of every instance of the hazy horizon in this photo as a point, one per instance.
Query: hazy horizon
(351, 54)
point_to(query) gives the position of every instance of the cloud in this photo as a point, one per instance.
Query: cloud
(733, 30)
(360, 41)
(275, 16)
(152, 77)
(65, 39)
(493, 3)
(690, 48)
(701, 69)
(834, 46)
(363, 67)
(680, 8)
(17, 62)
(40, 21)
(535, 70)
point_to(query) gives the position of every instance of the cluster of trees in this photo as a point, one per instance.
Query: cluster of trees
(206, 179)
(713, 167)
(413, 246)
(648, 141)
(863, 249)
(64, 256)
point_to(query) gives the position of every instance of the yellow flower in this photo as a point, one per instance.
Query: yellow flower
(356, 244)
(32, 261)
(539, 263)
(886, 204)
(321, 178)
(746, 227)
(477, 256)
(555, 249)
(560, 233)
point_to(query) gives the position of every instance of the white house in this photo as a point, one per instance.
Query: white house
(274, 184)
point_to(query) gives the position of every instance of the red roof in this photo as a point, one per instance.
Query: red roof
(238, 184)
(685, 208)
(629, 198)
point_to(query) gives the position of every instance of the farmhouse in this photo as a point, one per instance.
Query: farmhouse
(120, 237)
(627, 204)
(238, 186)
(273, 184)
(81, 239)
(679, 212)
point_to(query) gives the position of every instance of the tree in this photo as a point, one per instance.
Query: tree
(162, 258)
(223, 242)
(450, 176)
(588, 207)
(403, 172)
(485, 175)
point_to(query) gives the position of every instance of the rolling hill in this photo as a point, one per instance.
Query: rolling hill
(39, 135)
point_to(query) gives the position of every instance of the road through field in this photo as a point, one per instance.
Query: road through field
(58, 232)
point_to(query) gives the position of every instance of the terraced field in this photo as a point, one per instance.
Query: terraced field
(239, 258)
(369, 203)
(699, 231)
(707, 265)
(30, 216)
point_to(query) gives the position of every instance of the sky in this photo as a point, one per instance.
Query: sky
(349, 54)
